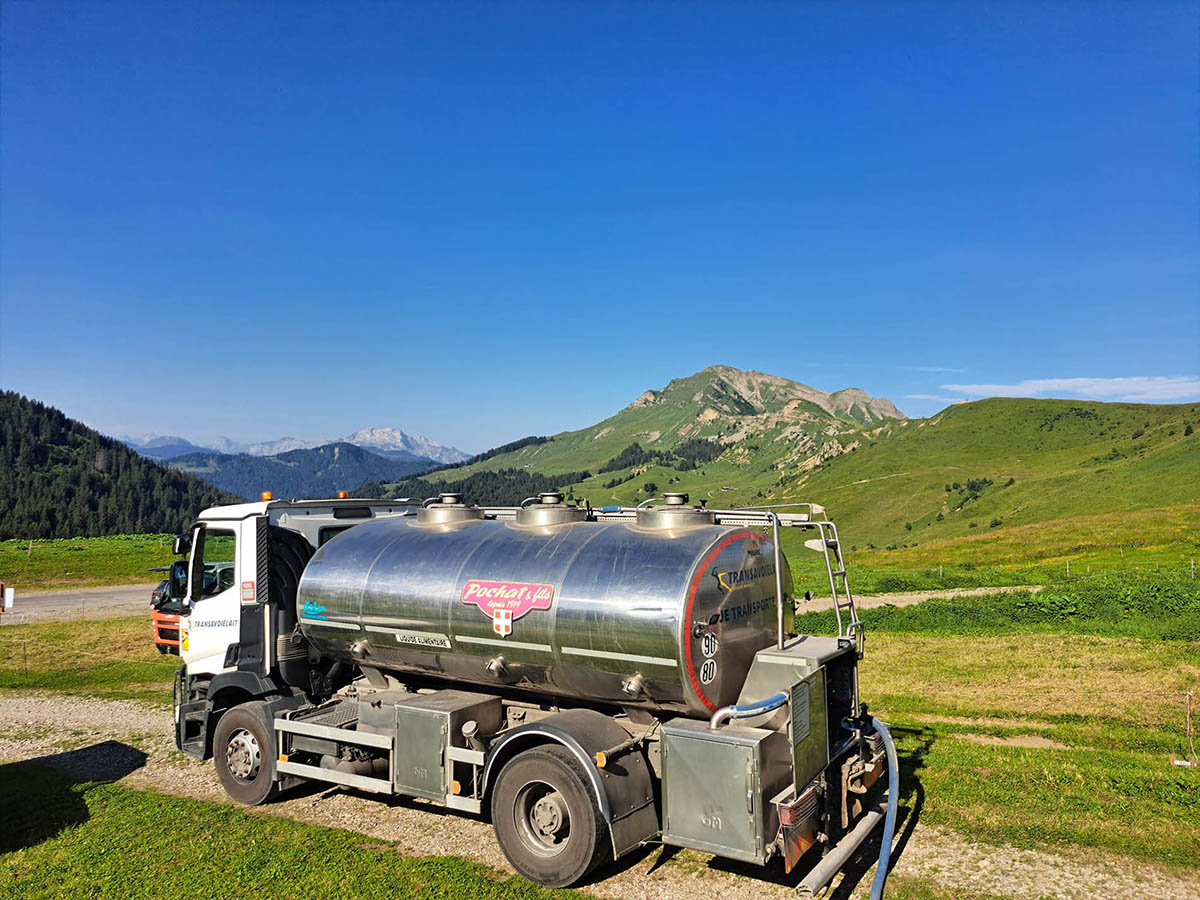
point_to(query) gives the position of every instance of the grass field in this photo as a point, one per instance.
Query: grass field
(67, 657)
(1046, 719)
(1048, 727)
(84, 562)
(63, 838)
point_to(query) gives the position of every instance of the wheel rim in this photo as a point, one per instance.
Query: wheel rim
(243, 757)
(542, 818)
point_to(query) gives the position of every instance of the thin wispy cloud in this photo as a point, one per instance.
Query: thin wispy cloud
(1131, 389)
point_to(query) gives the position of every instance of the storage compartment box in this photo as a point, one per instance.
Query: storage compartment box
(426, 724)
(717, 787)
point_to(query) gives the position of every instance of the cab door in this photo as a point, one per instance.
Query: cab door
(209, 624)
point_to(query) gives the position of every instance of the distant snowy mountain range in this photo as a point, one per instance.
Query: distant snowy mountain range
(388, 442)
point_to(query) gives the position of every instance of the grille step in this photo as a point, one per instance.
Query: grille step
(339, 715)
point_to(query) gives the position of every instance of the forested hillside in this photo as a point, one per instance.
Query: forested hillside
(508, 487)
(317, 472)
(59, 478)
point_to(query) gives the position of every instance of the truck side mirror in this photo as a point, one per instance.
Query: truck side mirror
(182, 544)
(177, 579)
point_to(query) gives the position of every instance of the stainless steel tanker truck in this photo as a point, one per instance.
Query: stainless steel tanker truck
(590, 680)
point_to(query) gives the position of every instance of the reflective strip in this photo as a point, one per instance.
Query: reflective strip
(501, 642)
(328, 623)
(625, 657)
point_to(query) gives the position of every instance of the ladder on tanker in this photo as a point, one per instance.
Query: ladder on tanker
(828, 544)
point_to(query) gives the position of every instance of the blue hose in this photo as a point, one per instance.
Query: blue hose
(889, 820)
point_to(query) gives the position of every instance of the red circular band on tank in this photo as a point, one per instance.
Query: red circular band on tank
(687, 623)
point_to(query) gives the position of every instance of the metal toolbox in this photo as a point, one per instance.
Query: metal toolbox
(717, 785)
(426, 725)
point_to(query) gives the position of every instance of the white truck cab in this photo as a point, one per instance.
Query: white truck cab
(240, 566)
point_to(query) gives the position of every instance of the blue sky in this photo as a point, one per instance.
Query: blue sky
(478, 222)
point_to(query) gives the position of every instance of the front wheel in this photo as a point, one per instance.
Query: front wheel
(244, 753)
(546, 818)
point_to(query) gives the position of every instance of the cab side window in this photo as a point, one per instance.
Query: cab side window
(220, 552)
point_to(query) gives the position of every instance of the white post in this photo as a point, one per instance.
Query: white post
(9, 595)
(1068, 568)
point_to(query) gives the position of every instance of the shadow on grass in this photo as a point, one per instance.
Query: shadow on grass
(43, 796)
(916, 745)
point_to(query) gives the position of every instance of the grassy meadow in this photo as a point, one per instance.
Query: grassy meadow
(109, 658)
(66, 838)
(1035, 720)
(59, 838)
(84, 562)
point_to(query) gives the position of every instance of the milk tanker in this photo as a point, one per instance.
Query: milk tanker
(591, 680)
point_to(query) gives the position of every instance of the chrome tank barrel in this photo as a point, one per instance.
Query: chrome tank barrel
(663, 612)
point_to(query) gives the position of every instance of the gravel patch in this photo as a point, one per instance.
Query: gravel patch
(909, 598)
(124, 741)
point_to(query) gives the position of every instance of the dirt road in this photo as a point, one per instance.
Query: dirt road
(908, 598)
(104, 740)
(80, 603)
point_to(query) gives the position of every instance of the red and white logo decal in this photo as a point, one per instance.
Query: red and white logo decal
(502, 622)
(506, 601)
(247, 591)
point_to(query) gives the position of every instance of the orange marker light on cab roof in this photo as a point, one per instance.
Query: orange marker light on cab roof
(342, 495)
(266, 495)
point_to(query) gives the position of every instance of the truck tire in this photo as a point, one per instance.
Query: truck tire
(546, 818)
(244, 754)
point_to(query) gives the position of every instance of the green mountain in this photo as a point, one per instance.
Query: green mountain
(736, 438)
(59, 478)
(749, 416)
(317, 472)
(1004, 463)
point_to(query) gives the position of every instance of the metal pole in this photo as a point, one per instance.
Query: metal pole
(25, 653)
(833, 591)
(778, 577)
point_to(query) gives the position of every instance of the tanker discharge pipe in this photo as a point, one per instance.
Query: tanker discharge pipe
(757, 708)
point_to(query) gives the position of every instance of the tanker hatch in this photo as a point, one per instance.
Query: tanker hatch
(547, 509)
(447, 509)
(674, 513)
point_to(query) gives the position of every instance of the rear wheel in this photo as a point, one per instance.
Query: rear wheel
(244, 753)
(546, 817)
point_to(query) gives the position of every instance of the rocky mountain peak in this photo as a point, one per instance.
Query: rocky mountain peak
(728, 391)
